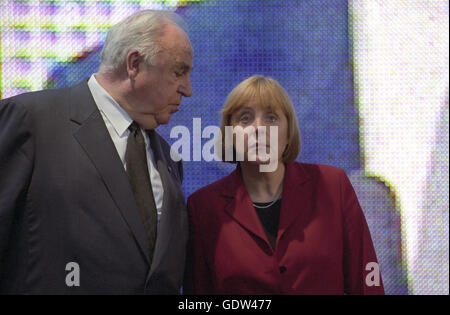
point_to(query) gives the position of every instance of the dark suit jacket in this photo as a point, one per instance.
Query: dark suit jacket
(65, 197)
(323, 243)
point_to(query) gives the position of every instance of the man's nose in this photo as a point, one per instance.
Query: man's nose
(185, 88)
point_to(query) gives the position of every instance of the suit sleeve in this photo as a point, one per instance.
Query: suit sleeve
(197, 276)
(15, 167)
(361, 271)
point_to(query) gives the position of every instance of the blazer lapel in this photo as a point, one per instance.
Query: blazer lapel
(93, 136)
(240, 206)
(296, 202)
(173, 201)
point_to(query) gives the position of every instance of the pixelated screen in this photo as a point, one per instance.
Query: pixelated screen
(368, 79)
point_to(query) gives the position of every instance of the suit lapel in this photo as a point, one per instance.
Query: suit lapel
(93, 136)
(173, 200)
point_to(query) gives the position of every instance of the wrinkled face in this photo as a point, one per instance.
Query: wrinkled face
(255, 116)
(157, 89)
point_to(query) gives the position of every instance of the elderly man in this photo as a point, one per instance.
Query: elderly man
(90, 200)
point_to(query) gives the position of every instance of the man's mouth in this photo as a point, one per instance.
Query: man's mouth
(175, 109)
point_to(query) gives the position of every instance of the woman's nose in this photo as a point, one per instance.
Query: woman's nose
(258, 123)
(260, 126)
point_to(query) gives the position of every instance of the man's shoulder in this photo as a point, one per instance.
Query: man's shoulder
(43, 110)
(31, 98)
(43, 99)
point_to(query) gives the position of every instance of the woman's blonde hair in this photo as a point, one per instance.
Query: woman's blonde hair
(267, 93)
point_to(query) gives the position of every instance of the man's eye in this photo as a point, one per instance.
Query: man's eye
(179, 73)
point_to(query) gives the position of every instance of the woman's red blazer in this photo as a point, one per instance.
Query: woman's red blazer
(323, 244)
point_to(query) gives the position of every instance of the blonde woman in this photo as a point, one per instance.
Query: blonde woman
(297, 229)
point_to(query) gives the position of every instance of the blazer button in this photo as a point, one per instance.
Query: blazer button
(283, 269)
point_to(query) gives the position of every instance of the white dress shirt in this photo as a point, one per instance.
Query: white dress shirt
(117, 122)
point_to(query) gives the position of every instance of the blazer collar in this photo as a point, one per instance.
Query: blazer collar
(82, 104)
(296, 200)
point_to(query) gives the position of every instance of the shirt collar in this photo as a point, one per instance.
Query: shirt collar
(118, 117)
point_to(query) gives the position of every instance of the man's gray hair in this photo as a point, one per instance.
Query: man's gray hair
(140, 31)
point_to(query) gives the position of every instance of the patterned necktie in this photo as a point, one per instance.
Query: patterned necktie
(137, 171)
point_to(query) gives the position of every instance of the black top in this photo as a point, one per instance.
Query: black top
(269, 218)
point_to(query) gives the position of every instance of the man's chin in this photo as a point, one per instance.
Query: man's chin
(163, 120)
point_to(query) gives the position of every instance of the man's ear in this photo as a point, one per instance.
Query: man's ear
(132, 62)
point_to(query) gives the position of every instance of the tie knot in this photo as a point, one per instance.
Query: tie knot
(133, 127)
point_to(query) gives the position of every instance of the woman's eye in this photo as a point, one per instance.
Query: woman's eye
(245, 119)
(272, 118)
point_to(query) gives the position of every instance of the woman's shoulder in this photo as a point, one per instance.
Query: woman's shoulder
(214, 189)
(316, 171)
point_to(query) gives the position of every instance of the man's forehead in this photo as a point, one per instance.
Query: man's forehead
(177, 47)
(175, 37)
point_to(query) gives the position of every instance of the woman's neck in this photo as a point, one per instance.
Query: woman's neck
(262, 186)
